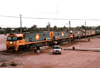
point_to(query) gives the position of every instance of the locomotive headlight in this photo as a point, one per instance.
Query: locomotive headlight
(10, 42)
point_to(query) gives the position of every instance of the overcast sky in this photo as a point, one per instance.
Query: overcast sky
(67, 9)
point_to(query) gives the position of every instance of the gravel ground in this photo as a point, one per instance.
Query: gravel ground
(46, 59)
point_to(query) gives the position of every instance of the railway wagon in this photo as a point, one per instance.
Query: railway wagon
(93, 32)
(90, 32)
(78, 34)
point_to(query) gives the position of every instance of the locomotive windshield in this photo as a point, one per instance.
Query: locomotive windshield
(71, 32)
(14, 38)
(11, 38)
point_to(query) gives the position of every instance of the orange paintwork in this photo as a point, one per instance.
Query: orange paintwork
(51, 34)
(15, 44)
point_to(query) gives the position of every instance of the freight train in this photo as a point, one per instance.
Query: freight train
(22, 41)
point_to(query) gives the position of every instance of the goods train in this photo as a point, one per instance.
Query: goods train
(22, 41)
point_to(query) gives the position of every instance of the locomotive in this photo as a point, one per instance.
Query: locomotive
(22, 41)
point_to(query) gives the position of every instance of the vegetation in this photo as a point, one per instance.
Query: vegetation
(35, 29)
(98, 27)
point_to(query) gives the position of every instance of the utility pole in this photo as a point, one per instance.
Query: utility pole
(20, 23)
(85, 31)
(69, 35)
(48, 26)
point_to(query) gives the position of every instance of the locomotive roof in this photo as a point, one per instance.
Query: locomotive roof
(15, 35)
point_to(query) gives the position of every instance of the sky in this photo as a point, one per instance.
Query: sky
(61, 9)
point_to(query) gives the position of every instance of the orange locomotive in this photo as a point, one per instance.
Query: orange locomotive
(22, 41)
(14, 41)
(17, 42)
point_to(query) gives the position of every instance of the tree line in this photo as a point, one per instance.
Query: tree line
(35, 29)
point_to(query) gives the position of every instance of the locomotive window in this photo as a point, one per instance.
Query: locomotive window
(71, 32)
(14, 38)
(43, 34)
(19, 38)
(8, 38)
(11, 38)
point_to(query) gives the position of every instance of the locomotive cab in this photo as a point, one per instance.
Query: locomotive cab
(13, 41)
(71, 33)
(83, 31)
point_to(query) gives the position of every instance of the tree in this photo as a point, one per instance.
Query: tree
(64, 28)
(24, 29)
(83, 27)
(55, 27)
(48, 27)
(8, 30)
(77, 28)
(17, 30)
(33, 27)
(98, 27)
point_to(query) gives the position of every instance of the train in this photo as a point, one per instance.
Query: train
(16, 42)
